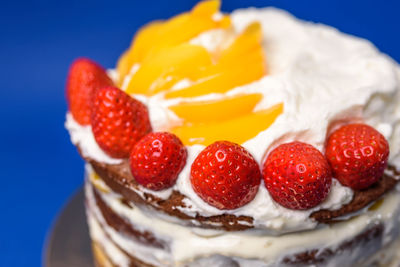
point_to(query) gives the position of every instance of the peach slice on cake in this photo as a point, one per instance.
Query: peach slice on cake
(232, 130)
(216, 110)
(167, 68)
(221, 82)
(241, 63)
(157, 36)
(145, 36)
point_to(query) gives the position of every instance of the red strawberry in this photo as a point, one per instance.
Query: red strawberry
(118, 121)
(84, 78)
(157, 159)
(358, 155)
(297, 176)
(225, 175)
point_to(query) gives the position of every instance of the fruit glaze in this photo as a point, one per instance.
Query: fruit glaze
(256, 115)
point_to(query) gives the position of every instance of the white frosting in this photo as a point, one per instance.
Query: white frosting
(249, 248)
(98, 235)
(267, 213)
(83, 137)
(323, 77)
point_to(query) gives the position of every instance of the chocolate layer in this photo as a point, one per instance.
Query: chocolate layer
(119, 178)
(366, 239)
(361, 199)
(122, 225)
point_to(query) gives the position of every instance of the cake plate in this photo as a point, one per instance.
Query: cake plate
(69, 243)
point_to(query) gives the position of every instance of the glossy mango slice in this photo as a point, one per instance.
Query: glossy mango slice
(221, 82)
(172, 65)
(181, 29)
(217, 110)
(241, 63)
(145, 36)
(155, 37)
(123, 67)
(237, 130)
(186, 26)
(206, 8)
(248, 42)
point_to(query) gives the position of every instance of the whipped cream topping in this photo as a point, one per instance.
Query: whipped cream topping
(83, 137)
(324, 78)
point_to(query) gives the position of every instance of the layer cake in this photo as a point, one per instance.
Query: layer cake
(243, 139)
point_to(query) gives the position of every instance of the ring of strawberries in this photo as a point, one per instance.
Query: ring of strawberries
(225, 175)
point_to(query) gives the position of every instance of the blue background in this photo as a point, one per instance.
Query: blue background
(40, 169)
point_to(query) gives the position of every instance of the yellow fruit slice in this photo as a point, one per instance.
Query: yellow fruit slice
(206, 8)
(217, 110)
(163, 83)
(241, 63)
(171, 65)
(145, 36)
(221, 82)
(237, 130)
(246, 43)
(123, 67)
(181, 29)
(157, 36)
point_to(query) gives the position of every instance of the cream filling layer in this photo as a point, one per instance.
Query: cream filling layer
(98, 235)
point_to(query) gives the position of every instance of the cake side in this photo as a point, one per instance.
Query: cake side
(172, 244)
